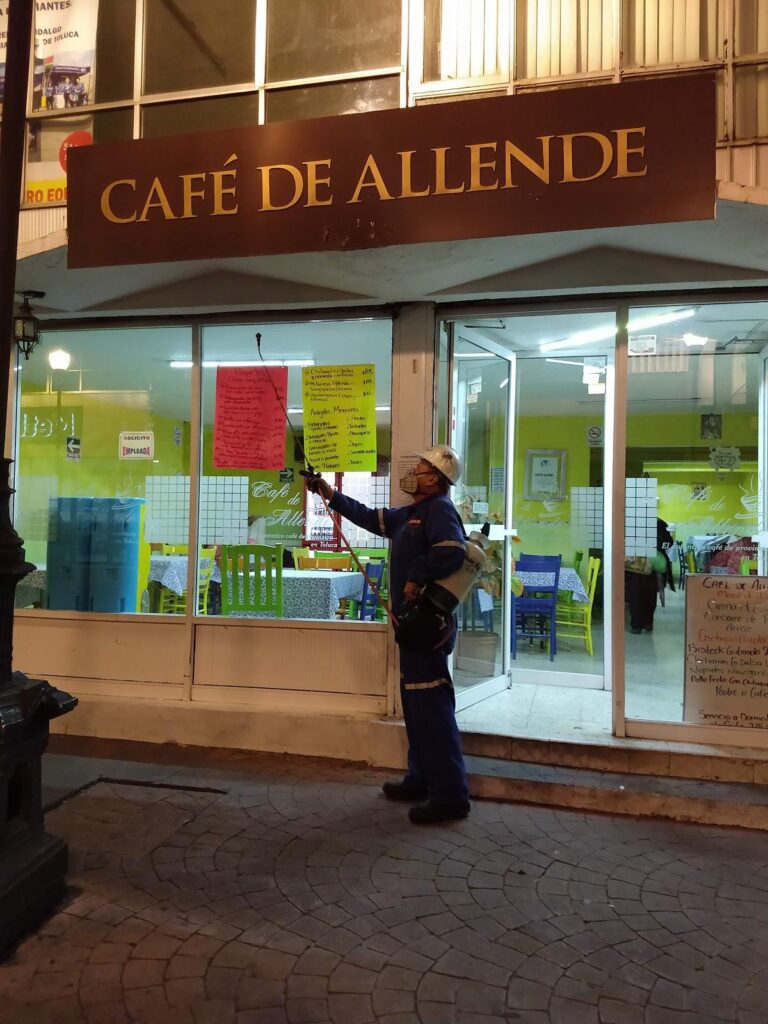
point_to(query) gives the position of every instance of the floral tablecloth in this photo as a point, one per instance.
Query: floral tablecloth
(314, 593)
(171, 571)
(569, 580)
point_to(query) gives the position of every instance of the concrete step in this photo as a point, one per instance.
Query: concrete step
(627, 756)
(639, 795)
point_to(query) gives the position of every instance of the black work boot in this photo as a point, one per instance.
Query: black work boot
(433, 811)
(404, 790)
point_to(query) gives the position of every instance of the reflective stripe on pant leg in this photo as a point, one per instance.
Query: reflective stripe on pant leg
(429, 710)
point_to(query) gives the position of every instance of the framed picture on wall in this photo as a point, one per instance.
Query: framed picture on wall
(544, 474)
(711, 426)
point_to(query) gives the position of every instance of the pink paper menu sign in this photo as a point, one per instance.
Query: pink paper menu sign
(249, 423)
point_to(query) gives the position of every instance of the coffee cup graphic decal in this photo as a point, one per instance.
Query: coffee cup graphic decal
(749, 500)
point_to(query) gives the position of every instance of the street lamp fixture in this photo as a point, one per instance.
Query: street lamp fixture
(26, 326)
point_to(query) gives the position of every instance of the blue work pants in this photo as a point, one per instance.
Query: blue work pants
(435, 759)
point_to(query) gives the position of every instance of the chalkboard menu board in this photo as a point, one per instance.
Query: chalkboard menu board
(726, 650)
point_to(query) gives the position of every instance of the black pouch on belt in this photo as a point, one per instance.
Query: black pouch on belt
(422, 626)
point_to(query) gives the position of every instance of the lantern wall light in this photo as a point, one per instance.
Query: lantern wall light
(26, 326)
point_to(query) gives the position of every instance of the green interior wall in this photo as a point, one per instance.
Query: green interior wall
(46, 420)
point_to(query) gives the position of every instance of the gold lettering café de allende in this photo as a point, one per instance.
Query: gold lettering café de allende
(574, 157)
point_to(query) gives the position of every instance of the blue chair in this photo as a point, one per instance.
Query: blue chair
(368, 604)
(539, 601)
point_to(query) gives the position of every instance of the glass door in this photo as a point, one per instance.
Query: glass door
(526, 409)
(480, 383)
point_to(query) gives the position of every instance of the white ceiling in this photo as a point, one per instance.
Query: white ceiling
(138, 360)
(731, 250)
(721, 376)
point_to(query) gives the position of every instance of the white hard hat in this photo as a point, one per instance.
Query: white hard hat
(444, 459)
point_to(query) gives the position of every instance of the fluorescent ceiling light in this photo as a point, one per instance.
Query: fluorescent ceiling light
(186, 364)
(693, 340)
(58, 359)
(565, 362)
(604, 333)
(580, 338)
(504, 382)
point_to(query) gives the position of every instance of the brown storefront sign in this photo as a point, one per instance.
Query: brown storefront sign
(598, 156)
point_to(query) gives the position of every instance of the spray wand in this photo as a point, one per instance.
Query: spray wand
(312, 475)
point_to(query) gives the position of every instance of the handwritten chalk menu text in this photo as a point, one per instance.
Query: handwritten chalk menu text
(249, 422)
(340, 417)
(726, 651)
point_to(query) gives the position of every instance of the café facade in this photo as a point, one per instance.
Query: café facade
(567, 285)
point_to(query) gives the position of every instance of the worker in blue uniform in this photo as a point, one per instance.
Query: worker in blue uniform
(427, 543)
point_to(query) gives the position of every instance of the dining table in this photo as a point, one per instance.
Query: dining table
(569, 581)
(307, 593)
(312, 593)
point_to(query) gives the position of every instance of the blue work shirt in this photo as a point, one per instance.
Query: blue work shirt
(428, 540)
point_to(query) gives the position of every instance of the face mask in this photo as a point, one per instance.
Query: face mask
(409, 484)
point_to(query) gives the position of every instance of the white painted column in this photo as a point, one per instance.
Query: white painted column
(413, 399)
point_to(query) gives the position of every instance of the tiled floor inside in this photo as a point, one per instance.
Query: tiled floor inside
(548, 710)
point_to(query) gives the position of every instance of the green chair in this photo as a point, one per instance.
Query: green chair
(252, 580)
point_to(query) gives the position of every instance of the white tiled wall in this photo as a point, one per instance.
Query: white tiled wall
(223, 510)
(642, 508)
(587, 515)
(372, 491)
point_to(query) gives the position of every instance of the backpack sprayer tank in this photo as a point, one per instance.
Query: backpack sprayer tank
(452, 590)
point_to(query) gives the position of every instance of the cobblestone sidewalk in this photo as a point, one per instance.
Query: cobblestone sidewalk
(295, 893)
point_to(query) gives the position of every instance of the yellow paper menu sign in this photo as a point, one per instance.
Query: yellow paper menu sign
(339, 405)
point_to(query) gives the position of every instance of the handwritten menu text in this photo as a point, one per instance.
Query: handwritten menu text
(726, 650)
(340, 417)
(249, 422)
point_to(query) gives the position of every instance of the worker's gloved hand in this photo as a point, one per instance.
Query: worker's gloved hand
(317, 485)
(411, 590)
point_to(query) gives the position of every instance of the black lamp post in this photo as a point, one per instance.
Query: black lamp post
(32, 863)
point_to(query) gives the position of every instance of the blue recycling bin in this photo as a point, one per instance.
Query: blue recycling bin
(93, 554)
(115, 554)
(68, 559)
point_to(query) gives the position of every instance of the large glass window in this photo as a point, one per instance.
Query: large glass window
(198, 45)
(353, 97)
(277, 552)
(49, 141)
(751, 31)
(83, 54)
(750, 113)
(693, 486)
(672, 31)
(202, 115)
(564, 37)
(103, 426)
(308, 40)
(465, 40)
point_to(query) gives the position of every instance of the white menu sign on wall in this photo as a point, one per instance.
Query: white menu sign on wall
(726, 651)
